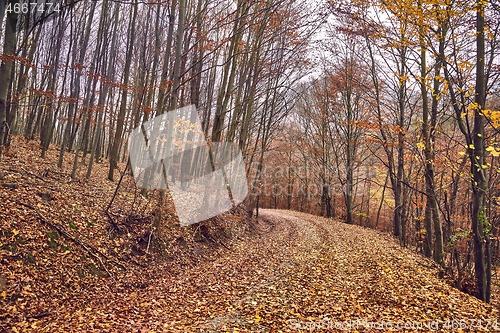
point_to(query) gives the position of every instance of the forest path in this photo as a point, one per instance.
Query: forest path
(299, 273)
(311, 274)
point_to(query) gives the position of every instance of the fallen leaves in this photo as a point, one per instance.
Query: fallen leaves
(291, 271)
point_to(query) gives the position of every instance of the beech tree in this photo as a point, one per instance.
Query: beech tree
(8, 57)
(117, 141)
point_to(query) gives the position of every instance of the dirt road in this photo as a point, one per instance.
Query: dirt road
(300, 273)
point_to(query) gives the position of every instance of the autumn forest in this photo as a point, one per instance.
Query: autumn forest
(368, 134)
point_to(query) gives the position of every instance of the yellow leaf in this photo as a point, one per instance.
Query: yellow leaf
(421, 145)
(4, 294)
(473, 106)
(15, 232)
(257, 318)
(471, 146)
(461, 153)
(493, 117)
(493, 151)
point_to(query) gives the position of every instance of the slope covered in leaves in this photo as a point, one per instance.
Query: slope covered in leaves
(60, 250)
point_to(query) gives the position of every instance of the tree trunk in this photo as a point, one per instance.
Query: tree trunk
(432, 222)
(480, 224)
(114, 154)
(5, 71)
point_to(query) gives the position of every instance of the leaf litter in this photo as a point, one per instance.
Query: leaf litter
(286, 272)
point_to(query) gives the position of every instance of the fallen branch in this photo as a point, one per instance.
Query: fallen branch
(215, 240)
(40, 315)
(118, 185)
(28, 172)
(111, 220)
(36, 176)
(89, 248)
(224, 245)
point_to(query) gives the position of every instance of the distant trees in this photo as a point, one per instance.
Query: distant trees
(348, 117)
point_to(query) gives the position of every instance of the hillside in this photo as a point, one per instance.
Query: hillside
(60, 247)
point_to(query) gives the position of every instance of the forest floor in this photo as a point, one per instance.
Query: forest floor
(63, 270)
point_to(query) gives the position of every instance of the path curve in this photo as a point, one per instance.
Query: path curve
(298, 273)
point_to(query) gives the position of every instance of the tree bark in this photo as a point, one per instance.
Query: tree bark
(480, 224)
(113, 156)
(9, 48)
